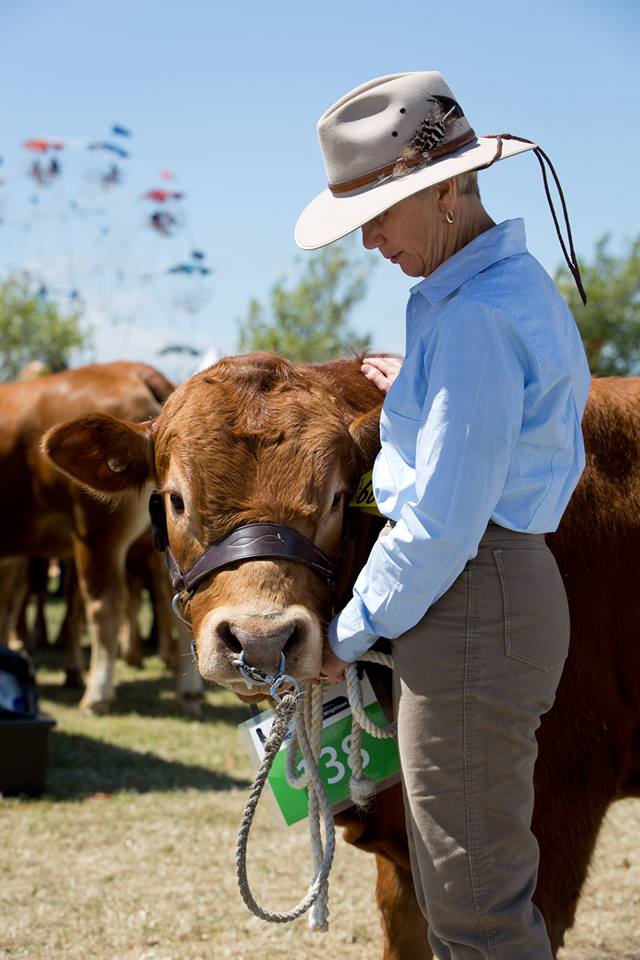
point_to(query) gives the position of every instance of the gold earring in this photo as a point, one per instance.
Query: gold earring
(449, 217)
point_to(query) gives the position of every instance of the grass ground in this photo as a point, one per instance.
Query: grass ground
(130, 853)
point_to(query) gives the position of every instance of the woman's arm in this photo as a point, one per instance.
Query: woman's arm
(470, 422)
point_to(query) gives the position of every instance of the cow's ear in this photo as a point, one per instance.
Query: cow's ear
(365, 433)
(102, 453)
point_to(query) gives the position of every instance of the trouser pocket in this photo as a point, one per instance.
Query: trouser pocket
(536, 613)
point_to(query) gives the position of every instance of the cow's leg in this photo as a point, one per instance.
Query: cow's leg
(39, 635)
(20, 638)
(61, 592)
(31, 581)
(13, 593)
(130, 639)
(404, 929)
(163, 617)
(102, 580)
(188, 680)
(144, 562)
(70, 634)
(38, 573)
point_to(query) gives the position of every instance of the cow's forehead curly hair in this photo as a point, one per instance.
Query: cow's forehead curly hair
(255, 436)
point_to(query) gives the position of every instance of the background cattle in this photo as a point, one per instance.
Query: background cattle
(47, 514)
(29, 586)
(270, 441)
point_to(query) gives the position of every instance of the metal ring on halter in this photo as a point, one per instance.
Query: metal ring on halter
(175, 603)
(256, 676)
(279, 680)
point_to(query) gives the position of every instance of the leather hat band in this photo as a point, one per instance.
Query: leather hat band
(382, 172)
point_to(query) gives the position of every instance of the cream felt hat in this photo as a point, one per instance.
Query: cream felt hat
(387, 139)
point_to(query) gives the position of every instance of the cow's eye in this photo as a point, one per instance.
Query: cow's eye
(337, 500)
(177, 502)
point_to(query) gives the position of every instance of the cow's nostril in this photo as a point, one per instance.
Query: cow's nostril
(292, 642)
(261, 644)
(228, 637)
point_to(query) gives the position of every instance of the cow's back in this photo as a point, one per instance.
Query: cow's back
(598, 551)
(36, 498)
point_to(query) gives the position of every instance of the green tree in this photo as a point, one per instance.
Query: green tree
(610, 322)
(309, 321)
(33, 328)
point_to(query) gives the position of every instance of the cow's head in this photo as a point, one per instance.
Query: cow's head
(250, 440)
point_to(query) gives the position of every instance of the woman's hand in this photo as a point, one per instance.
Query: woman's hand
(381, 370)
(333, 667)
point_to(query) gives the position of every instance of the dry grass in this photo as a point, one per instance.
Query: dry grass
(130, 855)
(608, 920)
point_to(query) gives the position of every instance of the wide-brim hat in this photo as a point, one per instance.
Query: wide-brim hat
(383, 142)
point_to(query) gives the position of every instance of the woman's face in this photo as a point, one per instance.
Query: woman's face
(413, 234)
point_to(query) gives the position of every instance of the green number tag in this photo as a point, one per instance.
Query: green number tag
(380, 760)
(363, 498)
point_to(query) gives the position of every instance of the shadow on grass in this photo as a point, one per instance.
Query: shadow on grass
(82, 766)
(149, 696)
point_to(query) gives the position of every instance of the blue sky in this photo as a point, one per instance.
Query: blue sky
(227, 96)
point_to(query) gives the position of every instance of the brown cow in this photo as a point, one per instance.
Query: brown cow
(258, 439)
(47, 514)
(30, 577)
(144, 568)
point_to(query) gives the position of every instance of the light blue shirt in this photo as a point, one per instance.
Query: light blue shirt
(482, 422)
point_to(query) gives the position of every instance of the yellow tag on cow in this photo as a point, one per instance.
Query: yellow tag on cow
(363, 498)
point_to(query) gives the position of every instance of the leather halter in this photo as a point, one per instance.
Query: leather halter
(251, 541)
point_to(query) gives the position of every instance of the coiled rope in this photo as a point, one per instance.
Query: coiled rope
(303, 709)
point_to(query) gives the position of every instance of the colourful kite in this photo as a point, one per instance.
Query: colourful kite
(111, 147)
(42, 145)
(162, 196)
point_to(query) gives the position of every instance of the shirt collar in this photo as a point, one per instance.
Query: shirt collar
(506, 239)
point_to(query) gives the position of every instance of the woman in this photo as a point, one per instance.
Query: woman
(481, 449)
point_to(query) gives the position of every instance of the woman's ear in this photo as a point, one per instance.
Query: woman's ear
(446, 193)
(365, 433)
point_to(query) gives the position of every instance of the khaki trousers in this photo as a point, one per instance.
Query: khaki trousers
(471, 682)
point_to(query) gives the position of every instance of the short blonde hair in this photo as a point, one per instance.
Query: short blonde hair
(468, 184)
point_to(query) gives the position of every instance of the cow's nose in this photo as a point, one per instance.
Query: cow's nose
(261, 649)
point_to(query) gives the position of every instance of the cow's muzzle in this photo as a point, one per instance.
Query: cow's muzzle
(262, 638)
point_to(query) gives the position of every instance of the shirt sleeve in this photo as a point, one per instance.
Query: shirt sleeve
(469, 424)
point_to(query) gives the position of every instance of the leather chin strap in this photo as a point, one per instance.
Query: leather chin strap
(252, 541)
(542, 158)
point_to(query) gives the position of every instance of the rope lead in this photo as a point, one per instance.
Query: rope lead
(303, 710)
